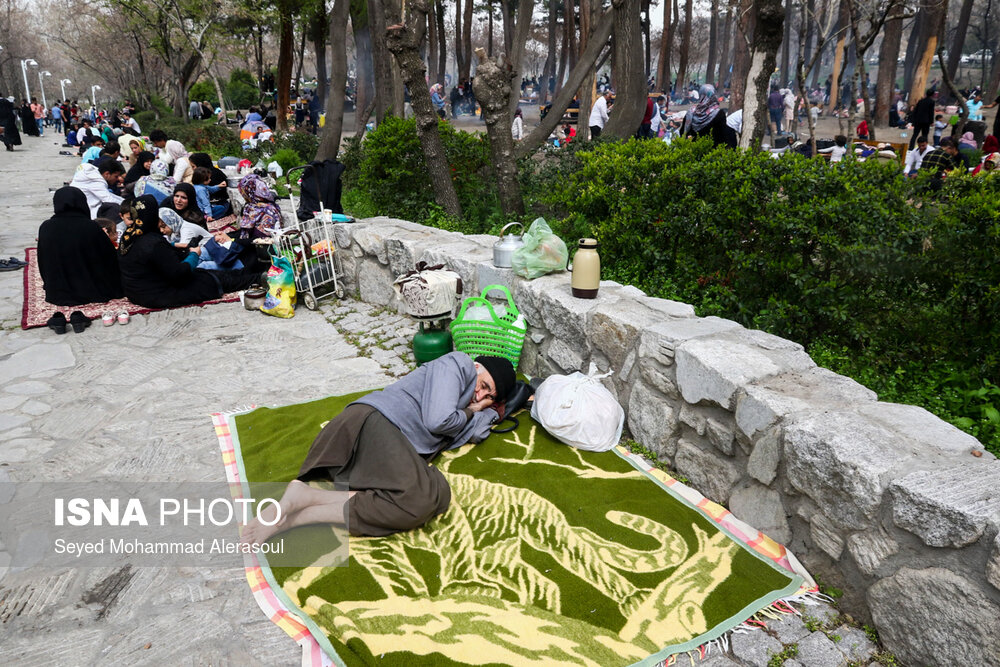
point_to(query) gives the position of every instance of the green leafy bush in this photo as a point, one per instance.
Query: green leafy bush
(389, 165)
(287, 158)
(202, 90)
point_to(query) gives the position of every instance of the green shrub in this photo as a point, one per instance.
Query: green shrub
(202, 90)
(390, 169)
(200, 136)
(287, 158)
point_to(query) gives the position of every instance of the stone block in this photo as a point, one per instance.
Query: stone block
(565, 357)
(659, 341)
(754, 648)
(871, 548)
(713, 476)
(826, 536)
(934, 616)
(565, 316)
(370, 237)
(922, 428)
(375, 284)
(764, 459)
(714, 369)
(487, 274)
(853, 643)
(404, 249)
(343, 233)
(948, 507)
(762, 508)
(694, 418)
(36, 359)
(993, 565)
(817, 650)
(659, 377)
(761, 405)
(721, 435)
(789, 628)
(652, 421)
(463, 257)
(843, 462)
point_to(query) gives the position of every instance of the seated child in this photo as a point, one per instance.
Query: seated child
(91, 154)
(200, 179)
(838, 150)
(180, 232)
(110, 228)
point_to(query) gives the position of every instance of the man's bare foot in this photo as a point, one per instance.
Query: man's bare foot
(297, 496)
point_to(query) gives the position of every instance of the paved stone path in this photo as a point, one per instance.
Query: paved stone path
(133, 402)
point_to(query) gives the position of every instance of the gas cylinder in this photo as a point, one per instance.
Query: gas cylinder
(431, 343)
(586, 270)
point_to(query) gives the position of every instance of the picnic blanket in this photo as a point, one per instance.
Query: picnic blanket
(36, 311)
(225, 224)
(547, 555)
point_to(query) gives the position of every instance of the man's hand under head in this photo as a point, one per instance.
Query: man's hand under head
(479, 406)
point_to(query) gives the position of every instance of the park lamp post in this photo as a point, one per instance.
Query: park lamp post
(93, 96)
(62, 87)
(24, 71)
(42, 86)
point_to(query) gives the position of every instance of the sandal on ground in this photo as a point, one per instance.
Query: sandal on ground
(123, 317)
(7, 265)
(57, 323)
(79, 321)
(108, 318)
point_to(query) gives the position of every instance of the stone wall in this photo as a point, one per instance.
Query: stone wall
(884, 501)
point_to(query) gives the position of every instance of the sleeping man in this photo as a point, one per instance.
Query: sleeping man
(379, 448)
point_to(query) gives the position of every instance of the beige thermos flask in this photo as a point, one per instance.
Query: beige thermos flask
(586, 270)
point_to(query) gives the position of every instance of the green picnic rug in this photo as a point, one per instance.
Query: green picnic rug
(548, 555)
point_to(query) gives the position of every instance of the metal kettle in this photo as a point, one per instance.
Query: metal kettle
(503, 250)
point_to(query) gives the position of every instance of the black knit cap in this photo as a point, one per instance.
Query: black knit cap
(502, 372)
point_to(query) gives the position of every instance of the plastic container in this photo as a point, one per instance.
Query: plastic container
(497, 336)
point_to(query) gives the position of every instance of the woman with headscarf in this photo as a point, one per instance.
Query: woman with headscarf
(990, 144)
(185, 203)
(28, 124)
(707, 119)
(179, 232)
(158, 183)
(157, 275)
(989, 163)
(967, 149)
(181, 161)
(76, 259)
(8, 121)
(219, 198)
(141, 168)
(261, 216)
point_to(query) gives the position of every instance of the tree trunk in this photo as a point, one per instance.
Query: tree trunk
(569, 18)
(319, 39)
(381, 61)
(299, 63)
(963, 108)
(285, 55)
(741, 54)
(563, 55)
(958, 41)
(888, 54)
(460, 54)
(508, 25)
(585, 93)
(515, 53)
(584, 69)
(768, 25)
(404, 43)
(930, 33)
(645, 39)
(682, 69)
(713, 42)
(466, 71)
(727, 35)
(630, 98)
(442, 43)
(549, 71)
(786, 48)
(493, 91)
(329, 142)
(912, 49)
(666, 42)
(365, 85)
(839, 52)
(432, 43)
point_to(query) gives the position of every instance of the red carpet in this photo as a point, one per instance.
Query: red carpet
(37, 311)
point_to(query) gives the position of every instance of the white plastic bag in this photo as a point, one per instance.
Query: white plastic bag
(578, 410)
